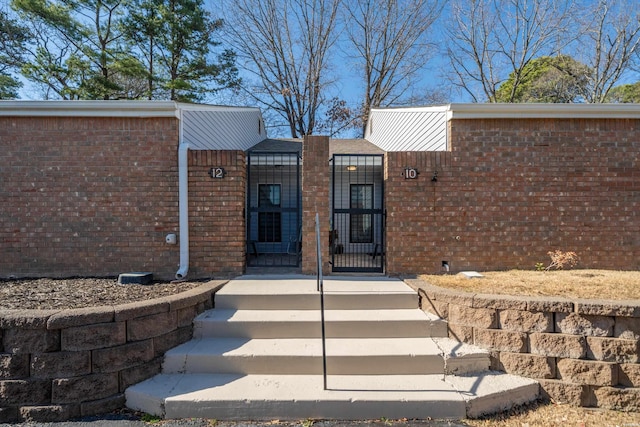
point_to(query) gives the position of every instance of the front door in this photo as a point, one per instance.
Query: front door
(274, 209)
(356, 238)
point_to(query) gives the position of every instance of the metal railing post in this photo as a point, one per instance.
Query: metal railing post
(320, 286)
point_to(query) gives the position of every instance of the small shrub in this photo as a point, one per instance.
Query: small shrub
(560, 259)
(539, 266)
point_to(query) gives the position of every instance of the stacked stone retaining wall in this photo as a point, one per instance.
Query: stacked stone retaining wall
(60, 364)
(583, 352)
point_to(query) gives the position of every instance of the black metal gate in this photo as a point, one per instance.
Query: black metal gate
(274, 209)
(356, 239)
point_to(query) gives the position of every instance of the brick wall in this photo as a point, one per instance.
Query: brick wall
(60, 364)
(97, 196)
(585, 353)
(413, 242)
(216, 214)
(509, 191)
(315, 199)
(87, 196)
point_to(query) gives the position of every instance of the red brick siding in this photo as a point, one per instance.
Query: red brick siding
(315, 199)
(87, 196)
(216, 214)
(511, 190)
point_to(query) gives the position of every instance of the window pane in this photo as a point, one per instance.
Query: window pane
(361, 229)
(269, 227)
(361, 196)
(269, 195)
(269, 223)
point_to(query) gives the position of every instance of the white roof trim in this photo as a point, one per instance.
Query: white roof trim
(530, 111)
(90, 108)
(208, 107)
(429, 109)
(547, 111)
(111, 108)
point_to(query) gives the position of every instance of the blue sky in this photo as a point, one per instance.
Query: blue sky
(349, 84)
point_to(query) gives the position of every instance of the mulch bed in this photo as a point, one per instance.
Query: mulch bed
(51, 294)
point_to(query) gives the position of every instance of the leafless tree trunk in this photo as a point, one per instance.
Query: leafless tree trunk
(390, 40)
(610, 44)
(285, 43)
(491, 39)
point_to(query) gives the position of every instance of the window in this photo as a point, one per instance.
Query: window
(361, 229)
(269, 222)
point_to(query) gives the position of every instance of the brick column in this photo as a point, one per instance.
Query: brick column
(417, 214)
(315, 199)
(216, 213)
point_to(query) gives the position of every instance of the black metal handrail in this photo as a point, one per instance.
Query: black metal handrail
(320, 286)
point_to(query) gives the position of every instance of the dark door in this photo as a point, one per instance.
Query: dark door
(356, 239)
(274, 209)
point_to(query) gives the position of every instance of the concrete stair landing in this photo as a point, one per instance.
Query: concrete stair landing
(258, 355)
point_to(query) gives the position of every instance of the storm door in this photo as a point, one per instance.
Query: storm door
(356, 238)
(274, 209)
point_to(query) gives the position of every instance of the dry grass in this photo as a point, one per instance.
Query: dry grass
(589, 284)
(551, 415)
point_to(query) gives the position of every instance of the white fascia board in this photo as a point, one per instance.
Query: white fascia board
(430, 109)
(527, 111)
(544, 111)
(207, 107)
(89, 108)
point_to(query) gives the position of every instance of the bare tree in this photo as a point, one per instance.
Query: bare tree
(390, 39)
(610, 44)
(490, 40)
(285, 44)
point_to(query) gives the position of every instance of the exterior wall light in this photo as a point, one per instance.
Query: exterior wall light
(352, 168)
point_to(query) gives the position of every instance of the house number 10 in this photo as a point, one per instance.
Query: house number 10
(410, 173)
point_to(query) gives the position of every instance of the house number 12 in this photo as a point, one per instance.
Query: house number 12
(217, 172)
(410, 173)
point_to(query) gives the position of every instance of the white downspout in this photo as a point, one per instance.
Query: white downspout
(183, 201)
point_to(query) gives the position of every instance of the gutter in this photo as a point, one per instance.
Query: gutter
(89, 108)
(183, 202)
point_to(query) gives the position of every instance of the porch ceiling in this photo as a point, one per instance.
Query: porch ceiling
(353, 146)
(277, 146)
(336, 146)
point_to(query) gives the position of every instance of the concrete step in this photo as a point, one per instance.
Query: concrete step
(492, 392)
(299, 292)
(348, 397)
(362, 356)
(461, 358)
(258, 355)
(395, 323)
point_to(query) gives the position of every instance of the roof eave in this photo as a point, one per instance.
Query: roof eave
(549, 111)
(90, 108)
(525, 111)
